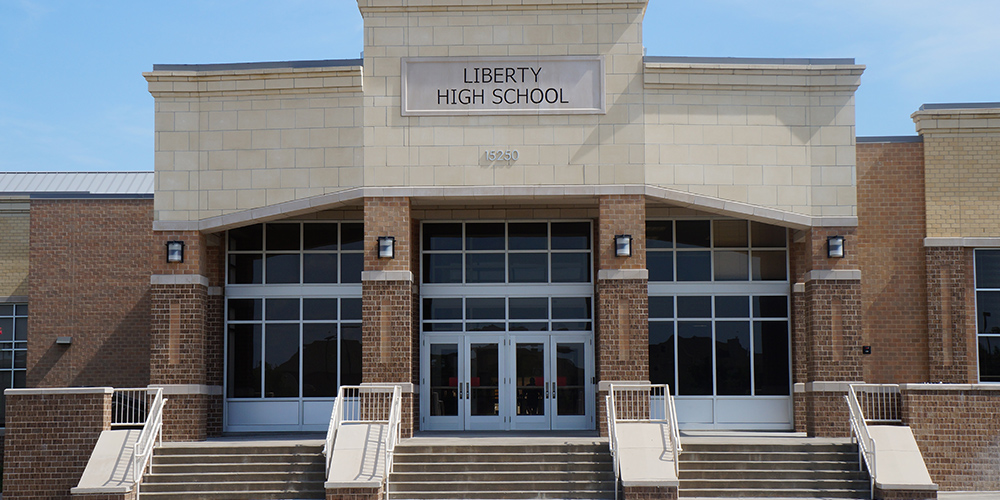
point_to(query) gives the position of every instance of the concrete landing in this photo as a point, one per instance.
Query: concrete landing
(109, 469)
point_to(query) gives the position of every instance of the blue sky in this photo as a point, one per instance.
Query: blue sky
(72, 96)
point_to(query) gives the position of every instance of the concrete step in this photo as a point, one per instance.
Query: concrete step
(403, 456)
(501, 486)
(765, 456)
(496, 466)
(236, 477)
(770, 465)
(235, 459)
(773, 474)
(232, 486)
(510, 495)
(506, 477)
(217, 495)
(809, 494)
(251, 467)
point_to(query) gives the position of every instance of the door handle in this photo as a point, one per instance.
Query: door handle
(467, 392)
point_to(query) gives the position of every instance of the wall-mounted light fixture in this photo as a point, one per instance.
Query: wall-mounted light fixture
(386, 247)
(623, 245)
(175, 252)
(835, 247)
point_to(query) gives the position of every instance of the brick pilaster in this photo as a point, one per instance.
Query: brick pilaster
(388, 302)
(951, 320)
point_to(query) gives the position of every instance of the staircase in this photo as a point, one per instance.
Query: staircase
(236, 470)
(772, 468)
(502, 468)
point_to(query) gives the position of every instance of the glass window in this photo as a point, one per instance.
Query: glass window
(529, 268)
(694, 355)
(987, 267)
(13, 349)
(766, 235)
(528, 235)
(570, 235)
(660, 265)
(694, 307)
(730, 233)
(732, 358)
(731, 265)
(484, 236)
(484, 267)
(694, 234)
(295, 252)
(442, 236)
(659, 234)
(715, 250)
(771, 370)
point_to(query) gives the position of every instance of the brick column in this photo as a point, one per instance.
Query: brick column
(50, 436)
(828, 294)
(185, 357)
(951, 315)
(622, 332)
(388, 303)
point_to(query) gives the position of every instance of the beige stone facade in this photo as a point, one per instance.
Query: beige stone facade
(962, 151)
(15, 228)
(769, 139)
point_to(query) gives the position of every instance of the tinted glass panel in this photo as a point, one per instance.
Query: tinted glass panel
(732, 307)
(484, 367)
(21, 309)
(245, 309)
(661, 266)
(661, 353)
(444, 379)
(529, 308)
(21, 329)
(987, 268)
(281, 309)
(770, 358)
(661, 307)
(319, 359)
(694, 233)
(352, 236)
(282, 268)
(732, 362)
(6, 309)
(492, 308)
(694, 358)
(283, 237)
(694, 266)
(485, 326)
(530, 379)
(351, 265)
(442, 308)
(246, 269)
(527, 327)
(6, 329)
(244, 361)
(529, 268)
(443, 327)
(443, 236)
(731, 265)
(769, 265)
(485, 267)
(989, 358)
(350, 353)
(484, 236)
(571, 326)
(988, 311)
(730, 233)
(350, 309)
(570, 235)
(770, 307)
(571, 268)
(659, 234)
(570, 380)
(319, 268)
(247, 238)
(766, 235)
(443, 268)
(571, 308)
(694, 307)
(320, 236)
(313, 309)
(528, 235)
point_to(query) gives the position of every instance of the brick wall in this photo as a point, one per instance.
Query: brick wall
(621, 214)
(387, 217)
(890, 244)
(15, 228)
(958, 431)
(826, 414)
(177, 354)
(951, 322)
(354, 493)
(834, 330)
(89, 279)
(649, 492)
(49, 440)
(622, 338)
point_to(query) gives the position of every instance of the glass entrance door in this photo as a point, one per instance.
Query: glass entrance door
(504, 382)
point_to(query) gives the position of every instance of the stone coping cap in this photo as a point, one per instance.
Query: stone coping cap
(808, 61)
(879, 139)
(323, 63)
(58, 390)
(949, 387)
(959, 105)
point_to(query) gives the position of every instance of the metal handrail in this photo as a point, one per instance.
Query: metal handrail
(641, 403)
(882, 404)
(149, 436)
(369, 403)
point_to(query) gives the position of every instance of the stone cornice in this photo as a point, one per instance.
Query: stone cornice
(958, 120)
(747, 77)
(258, 81)
(533, 193)
(368, 7)
(963, 242)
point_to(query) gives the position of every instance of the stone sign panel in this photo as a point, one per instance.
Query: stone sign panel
(502, 85)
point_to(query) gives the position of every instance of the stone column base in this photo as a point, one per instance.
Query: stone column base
(826, 413)
(189, 410)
